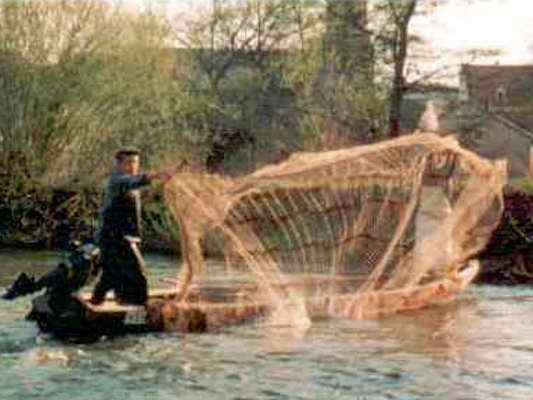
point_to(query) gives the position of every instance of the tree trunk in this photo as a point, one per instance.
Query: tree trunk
(401, 14)
(347, 46)
(224, 142)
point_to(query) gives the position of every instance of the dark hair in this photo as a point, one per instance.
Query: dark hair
(119, 155)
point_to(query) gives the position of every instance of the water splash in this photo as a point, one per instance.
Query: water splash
(429, 121)
(48, 356)
(356, 233)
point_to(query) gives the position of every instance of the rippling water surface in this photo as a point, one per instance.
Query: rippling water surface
(480, 347)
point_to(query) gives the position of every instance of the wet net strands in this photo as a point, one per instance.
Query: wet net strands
(354, 232)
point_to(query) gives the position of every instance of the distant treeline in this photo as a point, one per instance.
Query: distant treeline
(226, 90)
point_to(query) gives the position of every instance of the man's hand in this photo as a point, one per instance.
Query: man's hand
(164, 175)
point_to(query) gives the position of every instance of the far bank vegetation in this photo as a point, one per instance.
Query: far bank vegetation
(231, 87)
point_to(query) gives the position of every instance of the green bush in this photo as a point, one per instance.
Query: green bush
(523, 184)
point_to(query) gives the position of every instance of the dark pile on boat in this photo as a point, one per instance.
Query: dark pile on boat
(508, 257)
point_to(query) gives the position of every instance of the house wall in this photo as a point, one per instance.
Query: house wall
(490, 112)
(497, 139)
(463, 90)
(489, 134)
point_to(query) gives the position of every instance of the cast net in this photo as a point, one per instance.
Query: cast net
(356, 232)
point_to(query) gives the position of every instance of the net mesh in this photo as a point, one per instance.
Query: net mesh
(354, 232)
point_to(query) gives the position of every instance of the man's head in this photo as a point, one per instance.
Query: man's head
(127, 161)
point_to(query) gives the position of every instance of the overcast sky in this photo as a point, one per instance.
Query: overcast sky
(459, 25)
(453, 28)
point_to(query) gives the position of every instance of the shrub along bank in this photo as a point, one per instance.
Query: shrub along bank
(36, 216)
(508, 257)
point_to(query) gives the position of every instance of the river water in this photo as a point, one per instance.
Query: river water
(479, 347)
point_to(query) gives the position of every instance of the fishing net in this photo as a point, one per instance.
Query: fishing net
(356, 232)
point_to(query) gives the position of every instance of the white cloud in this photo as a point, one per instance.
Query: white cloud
(456, 27)
(460, 25)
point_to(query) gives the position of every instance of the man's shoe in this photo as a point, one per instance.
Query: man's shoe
(22, 286)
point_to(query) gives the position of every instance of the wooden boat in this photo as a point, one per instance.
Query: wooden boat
(213, 307)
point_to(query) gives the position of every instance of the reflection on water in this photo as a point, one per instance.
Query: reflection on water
(480, 347)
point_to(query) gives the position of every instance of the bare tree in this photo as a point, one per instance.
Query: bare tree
(394, 37)
(347, 46)
(238, 46)
(76, 77)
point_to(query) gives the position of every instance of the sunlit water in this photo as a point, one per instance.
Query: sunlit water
(480, 347)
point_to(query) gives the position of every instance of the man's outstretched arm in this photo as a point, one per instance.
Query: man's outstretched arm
(127, 183)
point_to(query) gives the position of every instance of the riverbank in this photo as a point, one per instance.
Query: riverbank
(508, 257)
(37, 217)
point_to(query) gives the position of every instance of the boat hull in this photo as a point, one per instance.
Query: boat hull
(79, 320)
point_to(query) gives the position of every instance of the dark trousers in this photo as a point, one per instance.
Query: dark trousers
(121, 272)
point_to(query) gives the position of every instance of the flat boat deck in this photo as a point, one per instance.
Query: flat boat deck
(214, 306)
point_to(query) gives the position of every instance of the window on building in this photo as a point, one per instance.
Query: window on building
(501, 94)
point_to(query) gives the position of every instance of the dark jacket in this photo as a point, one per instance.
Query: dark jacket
(121, 214)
